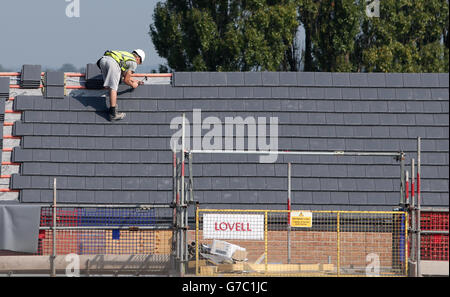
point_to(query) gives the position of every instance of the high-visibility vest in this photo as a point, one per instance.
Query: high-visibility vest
(121, 57)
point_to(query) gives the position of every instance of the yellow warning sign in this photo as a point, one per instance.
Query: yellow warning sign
(301, 219)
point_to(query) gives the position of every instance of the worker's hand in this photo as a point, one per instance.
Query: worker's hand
(134, 84)
(140, 82)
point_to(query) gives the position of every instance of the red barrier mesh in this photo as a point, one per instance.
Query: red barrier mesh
(434, 246)
(434, 221)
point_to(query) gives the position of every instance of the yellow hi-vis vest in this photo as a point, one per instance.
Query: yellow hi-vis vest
(121, 57)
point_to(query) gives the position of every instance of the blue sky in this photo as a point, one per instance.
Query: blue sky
(40, 32)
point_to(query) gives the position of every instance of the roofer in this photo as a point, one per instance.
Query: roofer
(116, 65)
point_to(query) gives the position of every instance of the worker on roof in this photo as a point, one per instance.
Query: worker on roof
(116, 65)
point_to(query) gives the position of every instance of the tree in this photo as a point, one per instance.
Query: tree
(225, 35)
(409, 36)
(240, 35)
(332, 27)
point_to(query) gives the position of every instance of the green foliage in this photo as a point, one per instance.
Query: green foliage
(221, 35)
(407, 37)
(249, 35)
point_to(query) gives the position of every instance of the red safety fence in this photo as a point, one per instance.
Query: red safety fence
(434, 246)
(434, 221)
(115, 231)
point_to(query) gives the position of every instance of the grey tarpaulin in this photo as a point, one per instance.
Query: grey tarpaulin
(19, 227)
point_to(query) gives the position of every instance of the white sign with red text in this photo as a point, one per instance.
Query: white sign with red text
(233, 226)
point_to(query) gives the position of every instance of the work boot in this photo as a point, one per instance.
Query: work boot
(114, 115)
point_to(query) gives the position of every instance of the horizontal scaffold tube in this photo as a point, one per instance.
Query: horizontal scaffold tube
(332, 153)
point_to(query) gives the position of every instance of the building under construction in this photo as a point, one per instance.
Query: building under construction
(226, 173)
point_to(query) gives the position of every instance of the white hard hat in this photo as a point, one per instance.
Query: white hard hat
(141, 54)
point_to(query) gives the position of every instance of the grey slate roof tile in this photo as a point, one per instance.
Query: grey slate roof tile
(287, 78)
(182, 79)
(443, 80)
(321, 197)
(305, 79)
(432, 199)
(190, 92)
(376, 79)
(155, 91)
(411, 80)
(30, 76)
(429, 79)
(316, 93)
(217, 78)
(209, 92)
(341, 79)
(172, 92)
(368, 93)
(94, 183)
(200, 78)
(386, 93)
(270, 78)
(332, 122)
(357, 198)
(444, 106)
(227, 92)
(4, 86)
(297, 93)
(85, 196)
(421, 94)
(103, 196)
(350, 93)
(359, 79)
(235, 79)
(280, 92)
(20, 182)
(30, 196)
(394, 79)
(54, 92)
(440, 94)
(22, 102)
(86, 169)
(403, 94)
(333, 93)
(253, 78)
(40, 182)
(244, 92)
(323, 79)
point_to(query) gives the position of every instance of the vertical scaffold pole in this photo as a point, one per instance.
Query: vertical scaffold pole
(419, 245)
(402, 180)
(191, 179)
(182, 202)
(289, 213)
(53, 273)
(413, 215)
(338, 244)
(407, 187)
(174, 212)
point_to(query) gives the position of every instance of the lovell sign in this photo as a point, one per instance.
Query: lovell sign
(233, 226)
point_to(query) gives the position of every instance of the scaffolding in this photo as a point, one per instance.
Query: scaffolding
(409, 202)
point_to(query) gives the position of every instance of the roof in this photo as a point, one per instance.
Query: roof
(95, 161)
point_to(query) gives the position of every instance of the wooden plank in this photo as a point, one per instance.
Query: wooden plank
(230, 267)
(273, 268)
(192, 264)
(208, 270)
